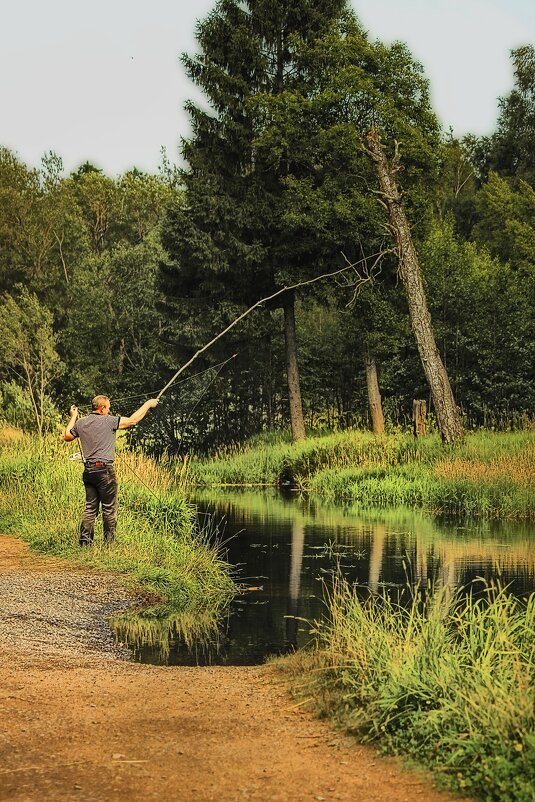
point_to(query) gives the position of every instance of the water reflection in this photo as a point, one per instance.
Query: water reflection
(287, 548)
(159, 634)
(376, 557)
(296, 564)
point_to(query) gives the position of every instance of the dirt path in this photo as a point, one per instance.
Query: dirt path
(80, 722)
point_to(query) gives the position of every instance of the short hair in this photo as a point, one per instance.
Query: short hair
(99, 401)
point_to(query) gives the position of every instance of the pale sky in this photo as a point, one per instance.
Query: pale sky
(102, 81)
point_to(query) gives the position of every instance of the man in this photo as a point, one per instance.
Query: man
(97, 436)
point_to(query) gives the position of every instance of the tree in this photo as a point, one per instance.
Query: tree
(27, 349)
(482, 317)
(458, 183)
(374, 395)
(87, 248)
(41, 235)
(227, 241)
(353, 86)
(448, 418)
(97, 197)
(512, 151)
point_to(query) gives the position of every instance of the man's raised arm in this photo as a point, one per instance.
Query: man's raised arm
(67, 433)
(138, 415)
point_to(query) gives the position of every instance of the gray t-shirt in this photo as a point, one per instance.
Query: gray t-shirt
(97, 435)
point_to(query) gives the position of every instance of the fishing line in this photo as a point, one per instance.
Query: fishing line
(152, 392)
(181, 381)
(140, 479)
(198, 401)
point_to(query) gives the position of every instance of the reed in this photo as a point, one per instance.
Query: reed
(444, 678)
(158, 546)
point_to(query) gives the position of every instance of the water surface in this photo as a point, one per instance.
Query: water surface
(286, 548)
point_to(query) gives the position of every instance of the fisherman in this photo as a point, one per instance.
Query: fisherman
(97, 436)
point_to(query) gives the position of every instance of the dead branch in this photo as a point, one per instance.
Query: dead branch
(366, 271)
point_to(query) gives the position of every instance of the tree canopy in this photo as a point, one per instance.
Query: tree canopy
(126, 277)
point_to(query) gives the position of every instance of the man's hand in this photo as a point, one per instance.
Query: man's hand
(73, 412)
(153, 402)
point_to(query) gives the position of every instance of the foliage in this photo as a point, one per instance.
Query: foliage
(512, 146)
(28, 349)
(482, 321)
(16, 409)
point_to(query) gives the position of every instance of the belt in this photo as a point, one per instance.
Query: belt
(98, 464)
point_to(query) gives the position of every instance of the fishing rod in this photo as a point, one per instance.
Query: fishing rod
(377, 256)
(237, 320)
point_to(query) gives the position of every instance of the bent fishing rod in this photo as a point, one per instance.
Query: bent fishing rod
(247, 312)
(350, 266)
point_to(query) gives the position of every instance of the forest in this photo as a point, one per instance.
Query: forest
(110, 284)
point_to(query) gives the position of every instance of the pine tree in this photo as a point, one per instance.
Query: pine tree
(227, 242)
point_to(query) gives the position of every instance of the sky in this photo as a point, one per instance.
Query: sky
(102, 81)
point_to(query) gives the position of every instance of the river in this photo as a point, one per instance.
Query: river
(286, 547)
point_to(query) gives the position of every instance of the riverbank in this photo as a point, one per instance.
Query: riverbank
(490, 475)
(79, 722)
(444, 678)
(158, 550)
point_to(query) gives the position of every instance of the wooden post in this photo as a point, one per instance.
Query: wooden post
(419, 413)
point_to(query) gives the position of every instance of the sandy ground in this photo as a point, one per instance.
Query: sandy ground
(78, 721)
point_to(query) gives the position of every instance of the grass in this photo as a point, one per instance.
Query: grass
(158, 546)
(489, 475)
(448, 680)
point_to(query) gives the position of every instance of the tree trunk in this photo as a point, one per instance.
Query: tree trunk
(449, 422)
(292, 370)
(374, 396)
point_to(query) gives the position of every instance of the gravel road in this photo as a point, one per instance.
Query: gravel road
(77, 724)
(50, 608)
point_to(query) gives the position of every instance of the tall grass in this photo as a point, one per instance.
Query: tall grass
(489, 475)
(158, 545)
(448, 681)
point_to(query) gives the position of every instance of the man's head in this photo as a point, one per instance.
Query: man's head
(101, 404)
